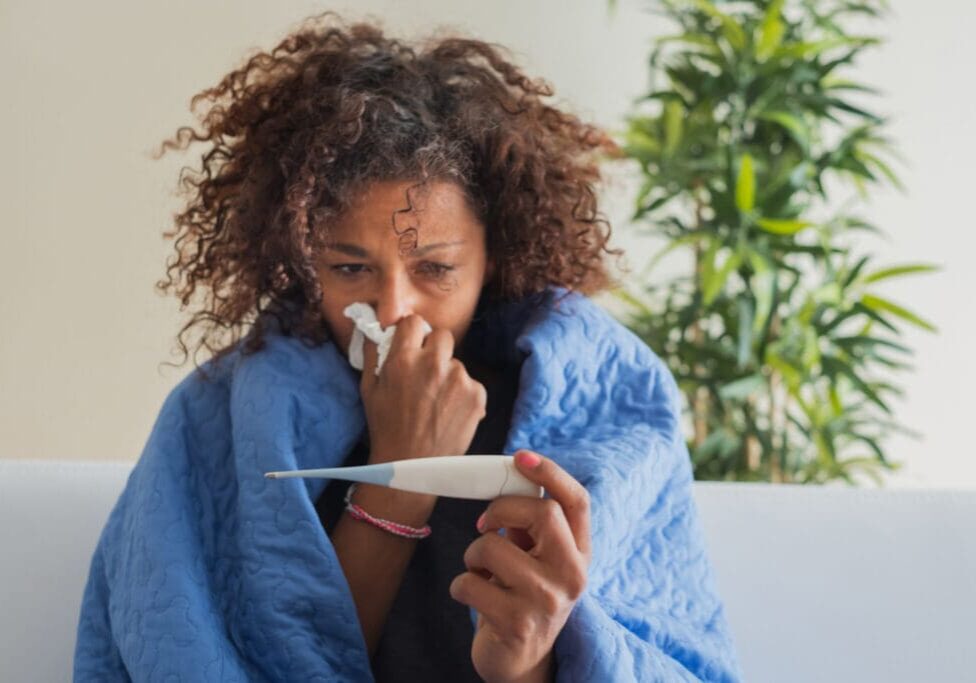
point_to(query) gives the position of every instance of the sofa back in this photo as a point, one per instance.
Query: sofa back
(819, 583)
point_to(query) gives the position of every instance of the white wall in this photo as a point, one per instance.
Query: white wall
(91, 88)
(925, 73)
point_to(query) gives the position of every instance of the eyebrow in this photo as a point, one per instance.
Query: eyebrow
(353, 250)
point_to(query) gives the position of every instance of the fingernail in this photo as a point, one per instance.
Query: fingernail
(528, 459)
(481, 522)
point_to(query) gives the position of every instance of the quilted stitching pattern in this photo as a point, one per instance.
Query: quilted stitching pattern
(208, 571)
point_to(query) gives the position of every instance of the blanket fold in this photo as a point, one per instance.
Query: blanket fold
(206, 570)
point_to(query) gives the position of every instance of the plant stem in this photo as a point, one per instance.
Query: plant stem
(776, 428)
(699, 399)
(753, 453)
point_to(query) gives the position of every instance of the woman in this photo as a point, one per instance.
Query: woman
(435, 185)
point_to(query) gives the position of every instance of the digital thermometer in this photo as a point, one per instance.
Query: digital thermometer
(479, 477)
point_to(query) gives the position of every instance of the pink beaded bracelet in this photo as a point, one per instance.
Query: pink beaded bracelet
(394, 528)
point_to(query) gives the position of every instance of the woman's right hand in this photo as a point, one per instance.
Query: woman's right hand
(423, 403)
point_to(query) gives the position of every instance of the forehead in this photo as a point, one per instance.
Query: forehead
(437, 210)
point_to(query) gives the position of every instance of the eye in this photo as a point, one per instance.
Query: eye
(436, 270)
(347, 273)
(351, 270)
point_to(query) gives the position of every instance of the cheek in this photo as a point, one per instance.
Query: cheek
(340, 327)
(460, 314)
(342, 332)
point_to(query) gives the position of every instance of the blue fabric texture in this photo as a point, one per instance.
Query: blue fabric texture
(207, 571)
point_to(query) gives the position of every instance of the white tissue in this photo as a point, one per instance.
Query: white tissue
(364, 317)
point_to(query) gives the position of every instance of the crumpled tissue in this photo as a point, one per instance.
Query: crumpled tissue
(367, 325)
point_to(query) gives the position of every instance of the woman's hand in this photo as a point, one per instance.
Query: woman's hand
(423, 403)
(524, 584)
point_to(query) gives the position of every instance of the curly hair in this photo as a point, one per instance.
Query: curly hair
(294, 134)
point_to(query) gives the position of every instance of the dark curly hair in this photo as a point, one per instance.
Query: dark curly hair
(294, 134)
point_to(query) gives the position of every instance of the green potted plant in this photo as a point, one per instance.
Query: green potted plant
(777, 336)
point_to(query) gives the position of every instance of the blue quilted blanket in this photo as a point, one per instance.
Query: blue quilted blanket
(208, 571)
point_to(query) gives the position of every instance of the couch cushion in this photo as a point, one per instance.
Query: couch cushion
(52, 514)
(841, 584)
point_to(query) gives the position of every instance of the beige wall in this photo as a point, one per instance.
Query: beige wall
(90, 88)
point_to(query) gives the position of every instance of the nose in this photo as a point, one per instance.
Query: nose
(394, 300)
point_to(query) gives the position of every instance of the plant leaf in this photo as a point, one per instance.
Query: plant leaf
(895, 271)
(730, 27)
(700, 39)
(793, 124)
(674, 115)
(862, 340)
(716, 281)
(883, 167)
(781, 227)
(741, 388)
(745, 332)
(771, 31)
(745, 185)
(876, 303)
(623, 295)
(833, 366)
(641, 144)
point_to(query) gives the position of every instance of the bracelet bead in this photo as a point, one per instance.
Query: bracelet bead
(394, 528)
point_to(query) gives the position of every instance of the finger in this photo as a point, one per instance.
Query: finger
(440, 343)
(564, 489)
(541, 519)
(502, 559)
(370, 356)
(519, 537)
(408, 335)
(492, 602)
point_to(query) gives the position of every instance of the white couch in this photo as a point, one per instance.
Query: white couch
(820, 584)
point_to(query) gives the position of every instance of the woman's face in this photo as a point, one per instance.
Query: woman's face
(440, 280)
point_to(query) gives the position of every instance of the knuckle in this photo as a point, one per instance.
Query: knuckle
(396, 363)
(494, 543)
(492, 509)
(459, 587)
(489, 549)
(551, 511)
(441, 372)
(548, 599)
(455, 369)
(582, 500)
(437, 372)
(441, 336)
(521, 627)
(576, 584)
(481, 394)
(470, 554)
(478, 551)
(405, 327)
(478, 397)
(402, 328)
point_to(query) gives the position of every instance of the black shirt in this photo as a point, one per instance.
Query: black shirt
(427, 635)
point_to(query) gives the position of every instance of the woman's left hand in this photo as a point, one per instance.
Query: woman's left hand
(524, 584)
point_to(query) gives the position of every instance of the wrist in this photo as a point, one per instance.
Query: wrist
(544, 671)
(404, 507)
(547, 668)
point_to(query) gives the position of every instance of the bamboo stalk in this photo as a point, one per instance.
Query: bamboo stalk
(775, 429)
(699, 402)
